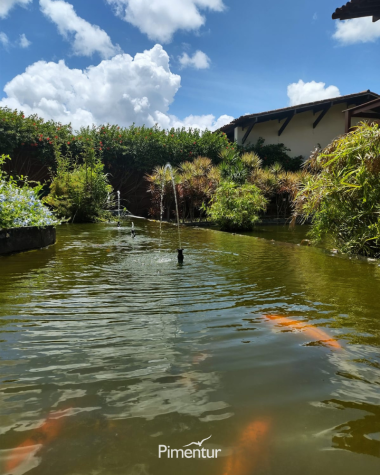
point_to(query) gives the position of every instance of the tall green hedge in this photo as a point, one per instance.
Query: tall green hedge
(134, 148)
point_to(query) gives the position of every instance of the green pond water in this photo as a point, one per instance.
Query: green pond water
(109, 349)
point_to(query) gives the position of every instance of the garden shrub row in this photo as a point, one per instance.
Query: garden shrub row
(137, 149)
(132, 149)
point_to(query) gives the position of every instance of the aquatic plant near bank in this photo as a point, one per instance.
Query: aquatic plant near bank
(343, 195)
(20, 205)
(80, 192)
(273, 183)
(197, 182)
(236, 208)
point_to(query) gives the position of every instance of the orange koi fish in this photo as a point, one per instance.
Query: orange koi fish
(310, 330)
(25, 452)
(253, 450)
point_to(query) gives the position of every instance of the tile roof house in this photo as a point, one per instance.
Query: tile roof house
(303, 127)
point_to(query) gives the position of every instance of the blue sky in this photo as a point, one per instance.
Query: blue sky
(216, 59)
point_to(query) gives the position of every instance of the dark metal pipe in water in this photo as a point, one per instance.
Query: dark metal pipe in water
(180, 256)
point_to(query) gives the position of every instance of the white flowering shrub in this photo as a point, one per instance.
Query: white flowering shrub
(20, 206)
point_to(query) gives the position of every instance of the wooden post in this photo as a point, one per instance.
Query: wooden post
(348, 116)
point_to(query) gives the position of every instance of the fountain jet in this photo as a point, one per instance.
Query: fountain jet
(118, 209)
(169, 167)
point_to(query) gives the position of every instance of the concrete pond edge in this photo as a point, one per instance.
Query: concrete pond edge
(26, 239)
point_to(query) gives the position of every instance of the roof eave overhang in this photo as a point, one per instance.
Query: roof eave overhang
(282, 114)
(358, 9)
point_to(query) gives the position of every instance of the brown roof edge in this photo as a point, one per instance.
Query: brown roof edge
(305, 107)
(358, 9)
(375, 102)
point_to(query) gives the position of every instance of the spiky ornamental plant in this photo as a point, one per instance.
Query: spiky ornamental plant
(197, 182)
(343, 199)
(232, 168)
(161, 190)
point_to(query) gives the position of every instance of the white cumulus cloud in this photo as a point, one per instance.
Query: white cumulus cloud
(121, 90)
(358, 30)
(160, 19)
(199, 60)
(302, 92)
(4, 40)
(201, 122)
(7, 5)
(86, 38)
(24, 42)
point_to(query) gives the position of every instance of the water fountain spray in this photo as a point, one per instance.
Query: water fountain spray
(118, 209)
(169, 167)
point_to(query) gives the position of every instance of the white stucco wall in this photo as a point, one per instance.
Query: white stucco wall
(299, 135)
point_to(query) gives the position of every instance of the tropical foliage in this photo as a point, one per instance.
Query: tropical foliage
(239, 178)
(236, 207)
(79, 192)
(343, 195)
(195, 183)
(276, 184)
(20, 204)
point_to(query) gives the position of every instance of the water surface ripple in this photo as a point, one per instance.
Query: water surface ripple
(109, 348)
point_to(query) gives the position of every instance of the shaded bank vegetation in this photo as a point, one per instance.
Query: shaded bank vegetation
(337, 190)
(232, 194)
(128, 154)
(342, 194)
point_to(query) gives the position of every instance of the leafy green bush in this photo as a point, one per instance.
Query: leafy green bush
(20, 205)
(79, 192)
(343, 197)
(31, 135)
(236, 207)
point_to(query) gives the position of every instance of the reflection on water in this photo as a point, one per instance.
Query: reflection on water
(110, 348)
(361, 435)
(280, 233)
